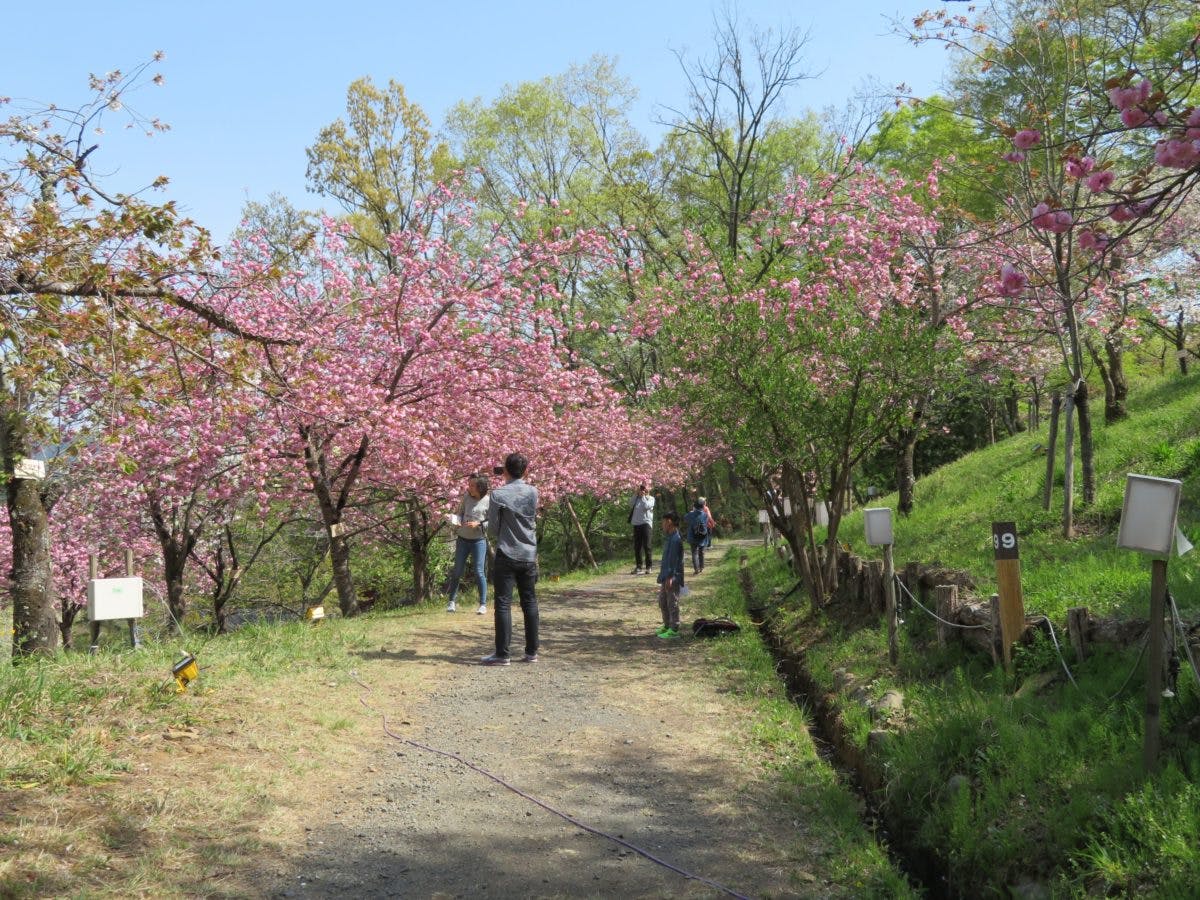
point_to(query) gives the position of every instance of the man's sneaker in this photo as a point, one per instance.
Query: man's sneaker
(529, 657)
(636, 571)
(494, 660)
(450, 607)
(482, 609)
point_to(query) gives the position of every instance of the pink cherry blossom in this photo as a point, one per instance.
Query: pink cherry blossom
(1100, 181)
(1134, 117)
(1124, 98)
(1013, 156)
(1093, 240)
(1027, 138)
(1078, 168)
(1012, 282)
(1056, 221)
(1176, 154)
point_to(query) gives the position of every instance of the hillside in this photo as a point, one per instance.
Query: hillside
(956, 504)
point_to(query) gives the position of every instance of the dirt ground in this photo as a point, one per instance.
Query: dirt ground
(627, 733)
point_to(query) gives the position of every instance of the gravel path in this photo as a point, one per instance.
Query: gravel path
(628, 733)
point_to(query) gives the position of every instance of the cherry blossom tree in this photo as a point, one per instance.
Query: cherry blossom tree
(807, 369)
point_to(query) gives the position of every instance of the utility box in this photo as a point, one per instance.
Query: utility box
(114, 598)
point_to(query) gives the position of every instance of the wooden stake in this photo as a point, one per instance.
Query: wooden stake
(1158, 597)
(947, 604)
(1008, 581)
(889, 599)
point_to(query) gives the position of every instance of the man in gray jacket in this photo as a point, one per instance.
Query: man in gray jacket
(512, 525)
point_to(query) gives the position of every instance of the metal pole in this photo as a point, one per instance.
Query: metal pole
(135, 634)
(94, 626)
(1158, 597)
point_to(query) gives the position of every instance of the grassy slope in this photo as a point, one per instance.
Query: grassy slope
(955, 506)
(1051, 788)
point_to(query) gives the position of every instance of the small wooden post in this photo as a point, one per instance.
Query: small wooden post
(1077, 619)
(947, 605)
(135, 634)
(872, 583)
(994, 609)
(912, 578)
(889, 603)
(94, 627)
(1008, 580)
(1154, 673)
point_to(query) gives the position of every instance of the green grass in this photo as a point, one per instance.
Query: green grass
(956, 505)
(1004, 785)
(780, 736)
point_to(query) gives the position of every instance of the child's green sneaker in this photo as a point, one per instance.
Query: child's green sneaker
(668, 633)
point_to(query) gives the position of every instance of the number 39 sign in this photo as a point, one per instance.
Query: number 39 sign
(1004, 539)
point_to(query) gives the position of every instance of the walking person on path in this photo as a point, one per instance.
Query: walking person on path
(670, 577)
(512, 518)
(699, 533)
(470, 541)
(641, 517)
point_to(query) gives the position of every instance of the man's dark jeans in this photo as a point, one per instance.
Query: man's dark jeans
(641, 547)
(525, 575)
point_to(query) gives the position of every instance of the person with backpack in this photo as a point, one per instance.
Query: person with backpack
(699, 533)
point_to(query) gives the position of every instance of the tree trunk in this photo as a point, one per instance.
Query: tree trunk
(587, 548)
(906, 479)
(1087, 455)
(1051, 448)
(1116, 368)
(339, 558)
(419, 550)
(1112, 372)
(1068, 517)
(35, 629)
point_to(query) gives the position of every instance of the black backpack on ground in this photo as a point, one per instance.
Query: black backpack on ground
(715, 627)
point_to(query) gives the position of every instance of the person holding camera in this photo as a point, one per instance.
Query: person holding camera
(641, 517)
(512, 525)
(470, 542)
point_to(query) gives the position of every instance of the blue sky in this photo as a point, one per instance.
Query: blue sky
(248, 84)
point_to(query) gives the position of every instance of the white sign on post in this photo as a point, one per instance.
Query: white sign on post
(30, 469)
(878, 524)
(114, 598)
(763, 518)
(1148, 516)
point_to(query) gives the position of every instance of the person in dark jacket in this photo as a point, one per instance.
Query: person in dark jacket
(698, 524)
(670, 577)
(512, 525)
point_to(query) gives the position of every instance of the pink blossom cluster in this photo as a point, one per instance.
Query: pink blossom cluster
(1054, 220)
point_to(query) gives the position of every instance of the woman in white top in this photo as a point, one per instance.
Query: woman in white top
(471, 542)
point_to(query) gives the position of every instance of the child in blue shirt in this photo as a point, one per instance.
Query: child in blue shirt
(670, 576)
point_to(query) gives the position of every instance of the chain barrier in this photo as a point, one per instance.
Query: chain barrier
(904, 588)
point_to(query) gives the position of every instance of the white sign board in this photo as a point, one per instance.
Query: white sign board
(1148, 516)
(821, 514)
(763, 518)
(114, 598)
(31, 469)
(878, 523)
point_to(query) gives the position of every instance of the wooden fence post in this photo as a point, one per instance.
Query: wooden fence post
(947, 605)
(1077, 619)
